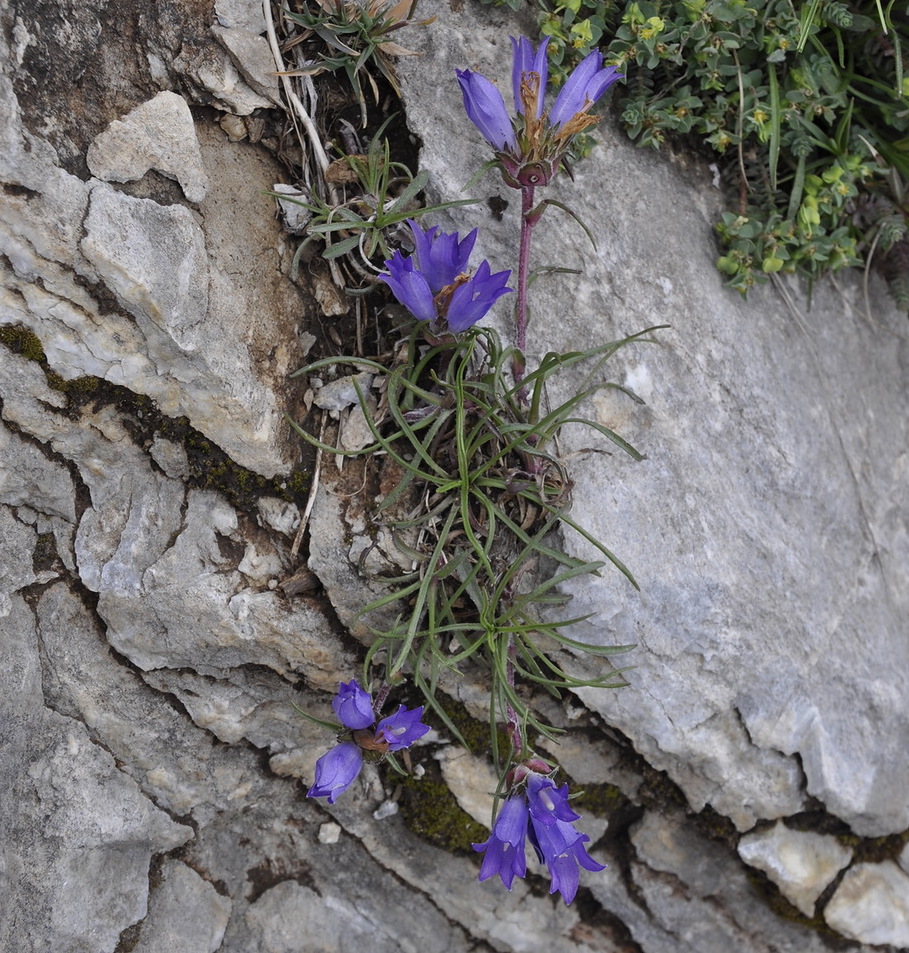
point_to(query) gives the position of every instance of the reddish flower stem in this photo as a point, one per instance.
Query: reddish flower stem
(527, 224)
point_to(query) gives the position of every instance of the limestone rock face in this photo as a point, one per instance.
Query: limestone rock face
(159, 619)
(800, 863)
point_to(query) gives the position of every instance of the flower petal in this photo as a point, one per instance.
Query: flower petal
(402, 728)
(410, 287)
(583, 88)
(353, 706)
(486, 110)
(525, 61)
(336, 770)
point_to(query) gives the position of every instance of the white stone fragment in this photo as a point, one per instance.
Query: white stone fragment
(802, 864)
(342, 393)
(280, 515)
(252, 55)
(171, 457)
(871, 905)
(160, 135)
(294, 215)
(329, 833)
(259, 564)
(385, 809)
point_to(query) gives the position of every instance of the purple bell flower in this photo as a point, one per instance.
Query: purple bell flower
(538, 809)
(530, 146)
(353, 706)
(338, 768)
(336, 771)
(587, 83)
(434, 283)
(486, 110)
(504, 850)
(472, 299)
(402, 728)
(562, 849)
(440, 256)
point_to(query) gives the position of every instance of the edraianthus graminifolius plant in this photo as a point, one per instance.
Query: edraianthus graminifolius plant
(530, 146)
(435, 285)
(338, 768)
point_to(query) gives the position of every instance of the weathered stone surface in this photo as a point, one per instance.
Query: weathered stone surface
(759, 482)
(252, 55)
(691, 896)
(160, 135)
(76, 847)
(172, 273)
(185, 914)
(872, 905)
(800, 863)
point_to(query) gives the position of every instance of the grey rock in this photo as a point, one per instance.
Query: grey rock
(872, 905)
(158, 134)
(691, 896)
(185, 914)
(153, 258)
(294, 215)
(342, 393)
(243, 14)
(78, 844)
(251, 54)
(800, 863)
(174, 274)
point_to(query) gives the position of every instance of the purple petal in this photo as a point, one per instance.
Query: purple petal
(353, 706)
(410, 287)
(554, 839)
(441, 257)
(402, 728)
(472, 300)
(564, 873)
(548, 803)
(504, 850)
(486, 110)
(583, 88)
(336, 771)
(526, 62)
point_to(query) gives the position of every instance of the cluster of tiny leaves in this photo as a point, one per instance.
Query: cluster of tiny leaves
(806, 107)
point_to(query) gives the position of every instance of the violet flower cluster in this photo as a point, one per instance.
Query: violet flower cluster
(435, 285)
(537, 809)
(530, 146)
(338, 769)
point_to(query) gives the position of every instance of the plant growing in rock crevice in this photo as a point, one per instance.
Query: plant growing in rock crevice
(483, 493)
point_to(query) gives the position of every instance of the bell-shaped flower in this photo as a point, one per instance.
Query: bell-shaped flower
(338, 768)
(587, 83)
(402, 728)
(440, 256)
(472, 299)
(561, 848)
(336, 771)
(504, 849)
(530, 146)
(353, 706)
(486, 110)
(435, 285)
